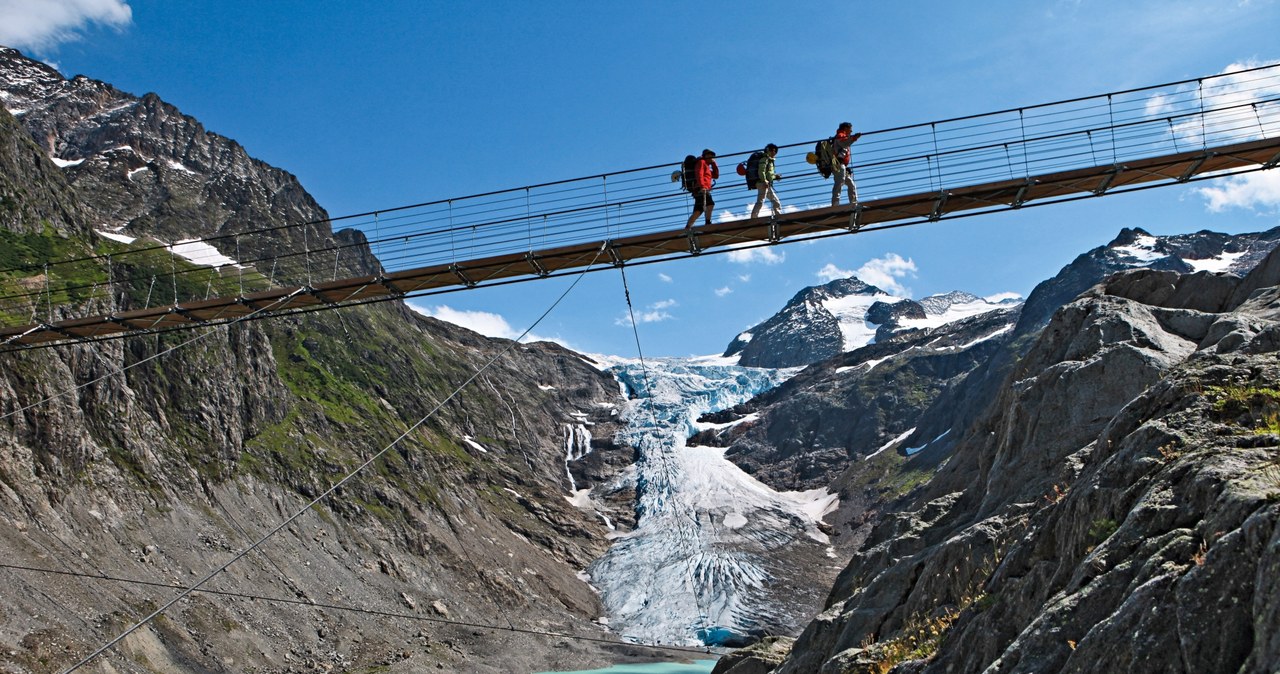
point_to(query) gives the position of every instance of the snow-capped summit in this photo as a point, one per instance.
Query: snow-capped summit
(818, 322)
(1202, 251)
(953, 306)
(843, 315)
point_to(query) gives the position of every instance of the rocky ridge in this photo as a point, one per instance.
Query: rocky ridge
(142, 168)
(1111, 506)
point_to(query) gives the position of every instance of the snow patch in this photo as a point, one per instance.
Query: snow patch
(953, 313)
(473, 444)
(1221, 263)
(966, 345)
(850, 312)
(64, 163)
(201, 253)
(122, 238)
(1143, 249)
(708, 426)
(868, 364)
(916, 450)
(174, 164)
(893, 442)
(714, 360)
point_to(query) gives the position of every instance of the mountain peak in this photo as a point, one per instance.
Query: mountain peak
(842, 287)
(1128, 236)
(842, 315)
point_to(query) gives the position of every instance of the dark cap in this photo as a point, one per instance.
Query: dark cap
(709, 152)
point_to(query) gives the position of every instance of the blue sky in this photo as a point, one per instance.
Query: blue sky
(375, 105)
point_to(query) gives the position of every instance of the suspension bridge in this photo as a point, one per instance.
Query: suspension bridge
(1111, 143)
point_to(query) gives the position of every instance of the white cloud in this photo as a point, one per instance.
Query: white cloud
(730, 216)
(721, 292)
(727, 215)
(664, 278)
(1000, 297)
(745, 278)
(884, 273)
(656, 313)
(1235, 103)
(831, 272)
(483, 322)
(763, 255)
(44, 24)
(1259, 190)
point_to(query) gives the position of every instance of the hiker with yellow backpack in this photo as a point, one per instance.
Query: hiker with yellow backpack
(832, 158)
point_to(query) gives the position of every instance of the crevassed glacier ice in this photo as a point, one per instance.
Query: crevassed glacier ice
(695, 569)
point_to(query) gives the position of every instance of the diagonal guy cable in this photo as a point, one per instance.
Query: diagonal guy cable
(337, 485)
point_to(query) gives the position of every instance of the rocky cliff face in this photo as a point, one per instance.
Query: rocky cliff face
(142, 168)
(134, 484)
(810, 429)
(1113, 506)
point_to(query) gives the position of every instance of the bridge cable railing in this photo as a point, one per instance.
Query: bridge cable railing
(1012, 144)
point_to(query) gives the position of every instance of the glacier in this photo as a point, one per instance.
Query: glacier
(709, 538)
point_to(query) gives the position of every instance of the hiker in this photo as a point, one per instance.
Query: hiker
(764, 181)
(840, 171)
(706, 172)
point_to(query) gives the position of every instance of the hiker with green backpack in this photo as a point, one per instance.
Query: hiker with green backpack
(764, 175)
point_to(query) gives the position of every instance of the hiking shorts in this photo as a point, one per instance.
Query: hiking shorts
(702, 200)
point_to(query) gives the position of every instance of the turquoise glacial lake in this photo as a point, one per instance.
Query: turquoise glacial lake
(699, 667)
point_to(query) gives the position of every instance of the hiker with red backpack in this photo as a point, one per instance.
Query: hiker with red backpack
(840, 171)
(699, 177)
(764, 175)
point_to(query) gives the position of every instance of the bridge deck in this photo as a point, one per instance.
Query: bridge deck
(919, 207)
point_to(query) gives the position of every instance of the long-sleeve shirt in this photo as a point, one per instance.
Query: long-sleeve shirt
(765, 170)
(708, 172)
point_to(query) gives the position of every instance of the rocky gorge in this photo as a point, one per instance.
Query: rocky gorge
(129, 468)
(1084, 481)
